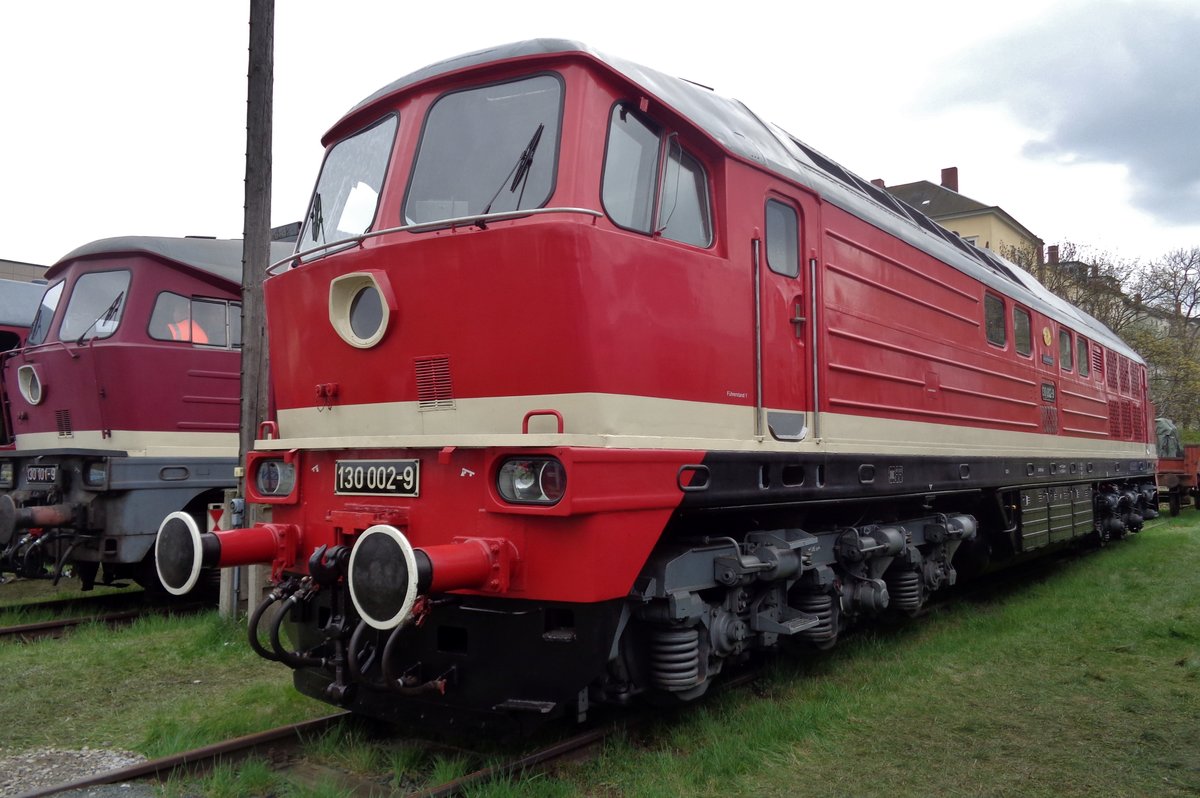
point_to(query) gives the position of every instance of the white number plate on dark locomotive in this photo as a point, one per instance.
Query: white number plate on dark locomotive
(377, 478)
(44, 474)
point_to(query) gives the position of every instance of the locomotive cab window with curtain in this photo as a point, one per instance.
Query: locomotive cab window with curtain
(1081, 350)
(651, 183)
(993, 310)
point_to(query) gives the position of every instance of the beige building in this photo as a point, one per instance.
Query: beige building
(18, 270)
(988, 226)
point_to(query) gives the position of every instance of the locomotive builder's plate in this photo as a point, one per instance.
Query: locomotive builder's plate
(41, 474)
(377, 478)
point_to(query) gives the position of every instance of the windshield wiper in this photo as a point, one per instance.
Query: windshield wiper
(107, 315)
(520, 169)
(316, 219)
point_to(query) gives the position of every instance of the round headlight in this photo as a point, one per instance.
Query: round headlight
(532, 480)
(360, 306)
(30, 384)
(275, 478)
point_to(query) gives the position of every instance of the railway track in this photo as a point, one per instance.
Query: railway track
(57, 627)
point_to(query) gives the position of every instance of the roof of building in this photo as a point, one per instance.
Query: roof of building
(19, 302)
(743, 134)
(942, 204)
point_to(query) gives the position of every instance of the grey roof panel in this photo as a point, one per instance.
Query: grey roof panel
(221, 257)
(19, 302)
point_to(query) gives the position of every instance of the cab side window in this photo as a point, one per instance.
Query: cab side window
(651, 183)
(207, 322)
(1065, 351)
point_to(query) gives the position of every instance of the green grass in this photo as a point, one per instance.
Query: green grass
(1084, 680)
(158, 686)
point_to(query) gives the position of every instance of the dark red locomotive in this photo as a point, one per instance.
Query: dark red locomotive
(124, 404)
(589, 382)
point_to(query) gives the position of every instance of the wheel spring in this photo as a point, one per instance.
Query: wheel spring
(904, 588)
(675, 658)
(820, 605)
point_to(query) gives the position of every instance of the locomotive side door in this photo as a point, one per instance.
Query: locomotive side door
(785, 271)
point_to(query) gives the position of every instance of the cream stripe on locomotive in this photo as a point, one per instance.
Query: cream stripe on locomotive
(137, 443)
(638, 422)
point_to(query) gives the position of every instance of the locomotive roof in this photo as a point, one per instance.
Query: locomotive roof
(221, 257)
(19, 302)
(736, 128)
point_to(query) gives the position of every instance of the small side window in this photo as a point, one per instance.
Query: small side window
(207, 322)
(683, 208)
(993, 309)
(783, 235)
(630, 170)
(1022, 331)
(1081, 349)
(1065, 351)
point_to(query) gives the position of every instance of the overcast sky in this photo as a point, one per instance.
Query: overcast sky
(1081, 120)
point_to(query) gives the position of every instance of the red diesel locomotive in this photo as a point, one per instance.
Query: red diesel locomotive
(125, 405)
(589, 382)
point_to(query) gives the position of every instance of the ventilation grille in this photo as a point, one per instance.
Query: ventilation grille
(1097, 360)
(434, 390)
(1125, 364)
(62, 419)
(1111, 368)
(1114, 420)
(1049, 419)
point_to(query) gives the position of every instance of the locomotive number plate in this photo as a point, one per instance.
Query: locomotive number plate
(44, 474)
(377, 478)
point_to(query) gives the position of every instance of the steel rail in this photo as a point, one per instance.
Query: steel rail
(41, 629)
(237, 747)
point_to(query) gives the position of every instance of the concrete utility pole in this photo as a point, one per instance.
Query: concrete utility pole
(256, 256)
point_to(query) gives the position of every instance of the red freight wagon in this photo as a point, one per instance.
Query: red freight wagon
(124, 404)
(1178, 467)
(589, 383)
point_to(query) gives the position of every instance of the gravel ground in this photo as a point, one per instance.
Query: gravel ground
(29, 770)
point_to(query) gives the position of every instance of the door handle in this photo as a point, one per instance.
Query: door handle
(797, 319)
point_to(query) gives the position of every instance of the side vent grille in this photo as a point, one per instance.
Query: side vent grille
(434, 390)
(1114, 420)
(62, 418)
(1097, 360)
(1049, 420)
(1111, 368)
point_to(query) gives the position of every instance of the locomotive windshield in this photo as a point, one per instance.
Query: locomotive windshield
(95, 307)
(343, 206)
(487, 150)
(45, 314)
